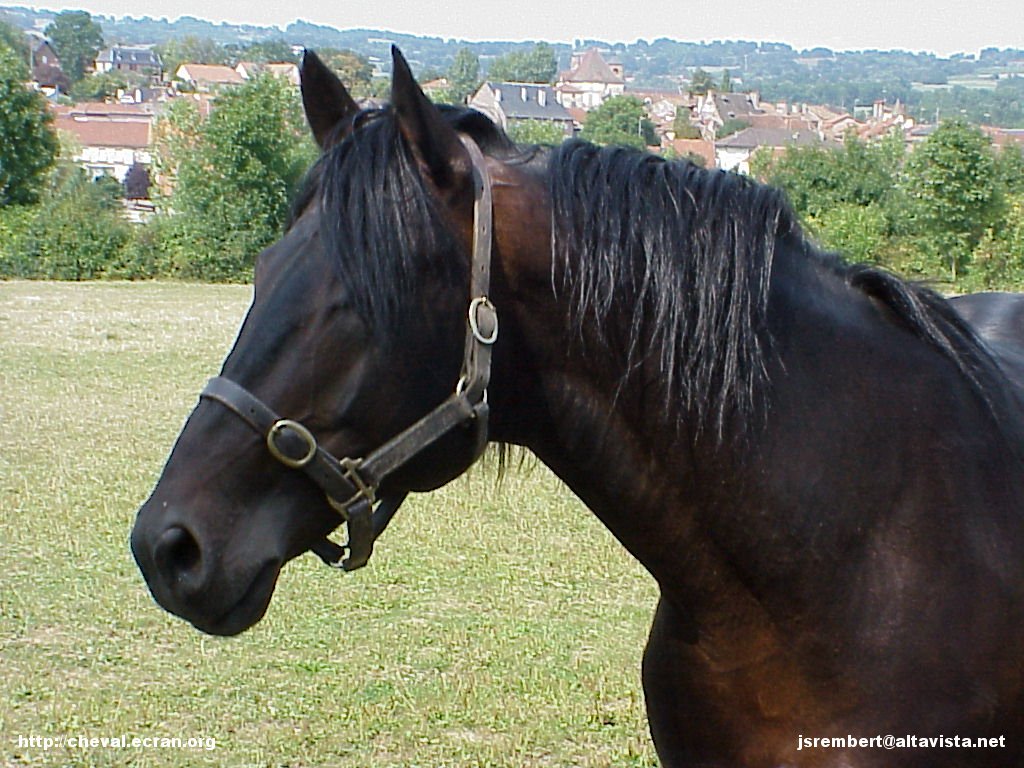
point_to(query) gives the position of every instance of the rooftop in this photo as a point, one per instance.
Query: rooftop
(591, 69)
(528, 101)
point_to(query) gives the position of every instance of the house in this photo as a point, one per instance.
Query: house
(838, 127)
(716, 109)
(662, 106)
(42, 53)
(207, 77)
(510, 103)
(123, 58)
(109, 138)
(248, 70)
(436, 88)
(45, 67)
(589, 81)
(1005, 137)
(733, 153)
(286, 70)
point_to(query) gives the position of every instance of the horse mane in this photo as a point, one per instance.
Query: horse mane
(685, 253)
(671, 264)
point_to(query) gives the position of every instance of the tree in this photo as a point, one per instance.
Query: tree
(14, 39)
(954, 193)
(464, 74)
(234, 187)
(726, 86)
(620, 120)
(190, 49)
(542, 132)
(998, 261)
(859, 232)
(261, 52)
(819, 178)
(682, 126)
(176, 136)
(105, 85)
(77, 39)
(537, 66)
(1010, 169)
(28, 144)
(354, 69)
(701, 82)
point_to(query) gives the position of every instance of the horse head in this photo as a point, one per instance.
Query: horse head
(359, 334)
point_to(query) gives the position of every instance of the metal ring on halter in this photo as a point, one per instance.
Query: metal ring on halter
(460, 388)
(474, 323)
(301, 431)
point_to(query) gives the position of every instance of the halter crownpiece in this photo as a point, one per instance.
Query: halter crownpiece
(350, 484)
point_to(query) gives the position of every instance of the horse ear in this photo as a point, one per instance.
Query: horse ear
(327, 102)
(434, 143)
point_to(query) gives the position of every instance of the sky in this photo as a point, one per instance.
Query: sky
(940, 26)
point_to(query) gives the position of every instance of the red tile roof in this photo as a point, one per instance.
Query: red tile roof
(106, 133)
(699, 147)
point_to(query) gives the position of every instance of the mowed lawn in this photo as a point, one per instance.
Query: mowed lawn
(498, 623)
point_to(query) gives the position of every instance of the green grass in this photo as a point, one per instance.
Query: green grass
(497, 625)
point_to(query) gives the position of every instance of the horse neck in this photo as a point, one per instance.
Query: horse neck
(704, 513)
(642, 474)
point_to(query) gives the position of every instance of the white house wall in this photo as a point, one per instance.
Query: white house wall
(112, 161)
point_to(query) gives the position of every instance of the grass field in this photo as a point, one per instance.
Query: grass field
(497, 625)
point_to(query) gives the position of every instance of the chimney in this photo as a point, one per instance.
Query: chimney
(497, 94)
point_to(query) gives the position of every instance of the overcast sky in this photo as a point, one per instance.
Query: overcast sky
(940, 26)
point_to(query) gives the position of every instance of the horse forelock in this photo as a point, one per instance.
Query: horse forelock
(379, 221)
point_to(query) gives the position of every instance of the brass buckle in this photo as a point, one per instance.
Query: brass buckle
(368, 492)
(301, 431)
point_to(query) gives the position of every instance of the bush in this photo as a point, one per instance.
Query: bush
(145, 255)
(998, 260)
(15, 221)
(73, 234)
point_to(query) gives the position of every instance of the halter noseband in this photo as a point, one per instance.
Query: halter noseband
(351, 484)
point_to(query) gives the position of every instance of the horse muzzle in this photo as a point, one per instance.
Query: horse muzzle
(218, 594)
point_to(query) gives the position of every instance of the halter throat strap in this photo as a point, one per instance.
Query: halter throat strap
(350, 484)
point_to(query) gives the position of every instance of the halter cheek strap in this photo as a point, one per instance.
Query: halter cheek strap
(350, 484)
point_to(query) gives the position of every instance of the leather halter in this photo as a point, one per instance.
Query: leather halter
(351, 484)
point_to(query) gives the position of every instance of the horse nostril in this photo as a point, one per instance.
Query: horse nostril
(177, 554)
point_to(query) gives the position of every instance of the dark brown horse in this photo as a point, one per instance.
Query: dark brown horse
(821, 465)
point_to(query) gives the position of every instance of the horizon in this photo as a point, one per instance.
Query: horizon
(779, 21)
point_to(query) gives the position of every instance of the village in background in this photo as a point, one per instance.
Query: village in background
(704, 114)
(145, 148)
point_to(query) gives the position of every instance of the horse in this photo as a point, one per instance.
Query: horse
(820, 465)
(998, 318)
